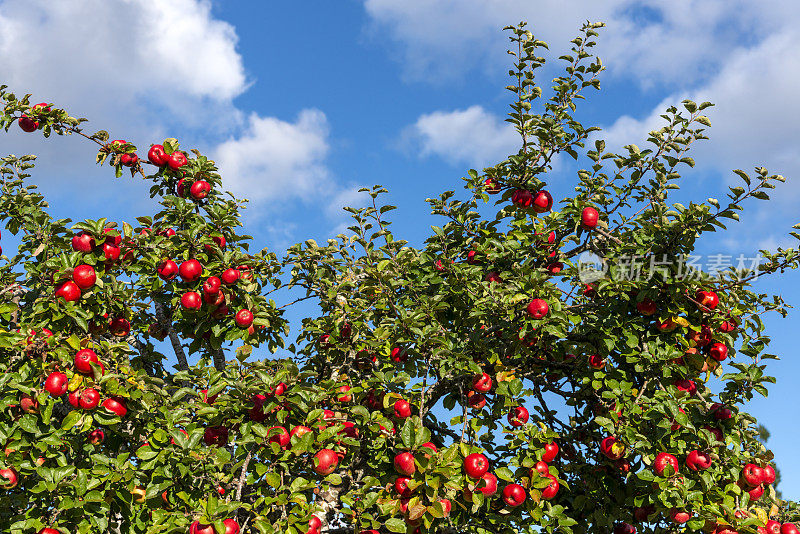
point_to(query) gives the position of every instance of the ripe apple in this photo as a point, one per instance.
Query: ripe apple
(709, 299)
(624, 528)
(191, 300)
(215, 299)
(216, 435)
(404, 464)
(74, 398)
(431, 447)
(176, 160)
(552, 488)
(69, 291)
(612, 448)
(589, 217)
(789, 528)
(401, 487)
(344, 397)
(201, 528)
(542, 201)
(773, 527)
(111, 252)
(231, 526)
(9, 478)
(538, 308)
(522, 198)
(596, 361)
(756, 493)
(769, 474)
(325, 462)
(550, 452)
(475, 465)
(83, 242)
(518, 416)
(167, 270)
(244, 318)
(402, 409)
(555, 267)
(472, 257)
(28, 124)
(229, 276)
(279, 435)
(89, 399)
(491, 186)
(488, 486)
(116, 405)
(56, 384)
(190, 271)
(698, 461)
(96, 436)
(84, 359)
(514, 495)
(720, 412)
(663, 461)
(646, 307)
(212, 285)
(728, 326)
(398, 355)
(476, 400)
(200, 189)
(157, 155)
(541, 467)
(48, 530)
(446, 507)
(685, 385)
(679, 516)
(753, 475)
(718, 351)
(28, 404)
(299, 431)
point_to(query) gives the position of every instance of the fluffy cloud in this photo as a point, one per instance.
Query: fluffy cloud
(126, 61)
(471, 136)
(677, 43)
(276, 160)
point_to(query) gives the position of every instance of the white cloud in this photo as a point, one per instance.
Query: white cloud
(677, 43)
(471, 136)
(125, 61)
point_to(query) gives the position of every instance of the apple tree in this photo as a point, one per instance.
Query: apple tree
(488, 381)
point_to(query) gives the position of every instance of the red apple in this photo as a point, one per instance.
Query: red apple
(401, 487)
(753, 475)
(279, 435)
(116, 405)
(200, 189)
(550, 452)
(216, 435)
(709, 299)
(244, 318)
(84, 359)
(89, 399)
(201, 528)
(398, 355)
(404, 464)
(190, 270)
(773, 527)
(542, 201)
(538, 308)
(69, 291)
(157, 155)
(491, 186)
(718, 351)
(489, 486)
(96, 436)
(230, 276)
(589, 217)
(191, 300)
(325, 462)
(28, 124)
(698, 461)
(482, 383)
(664, 460)
(231, 526)
(8, 478)
(552, 488)
(476, 400)
(518, 416)
(56, 384)
(475, 465)
(624, 528)
(789, 528)
(769, 474)
(756, 493)
(176, 160)
(522, 198)
(83, 242)
(679, 516)
(596, 361)
(402, 409)
(612, 448)
(167, 270)
(514, 495)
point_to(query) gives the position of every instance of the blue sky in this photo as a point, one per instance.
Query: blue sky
(301, 103)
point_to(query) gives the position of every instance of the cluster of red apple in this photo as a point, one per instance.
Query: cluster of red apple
(30, 124)
(190, 272)
(159, 157)
(57, 384)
